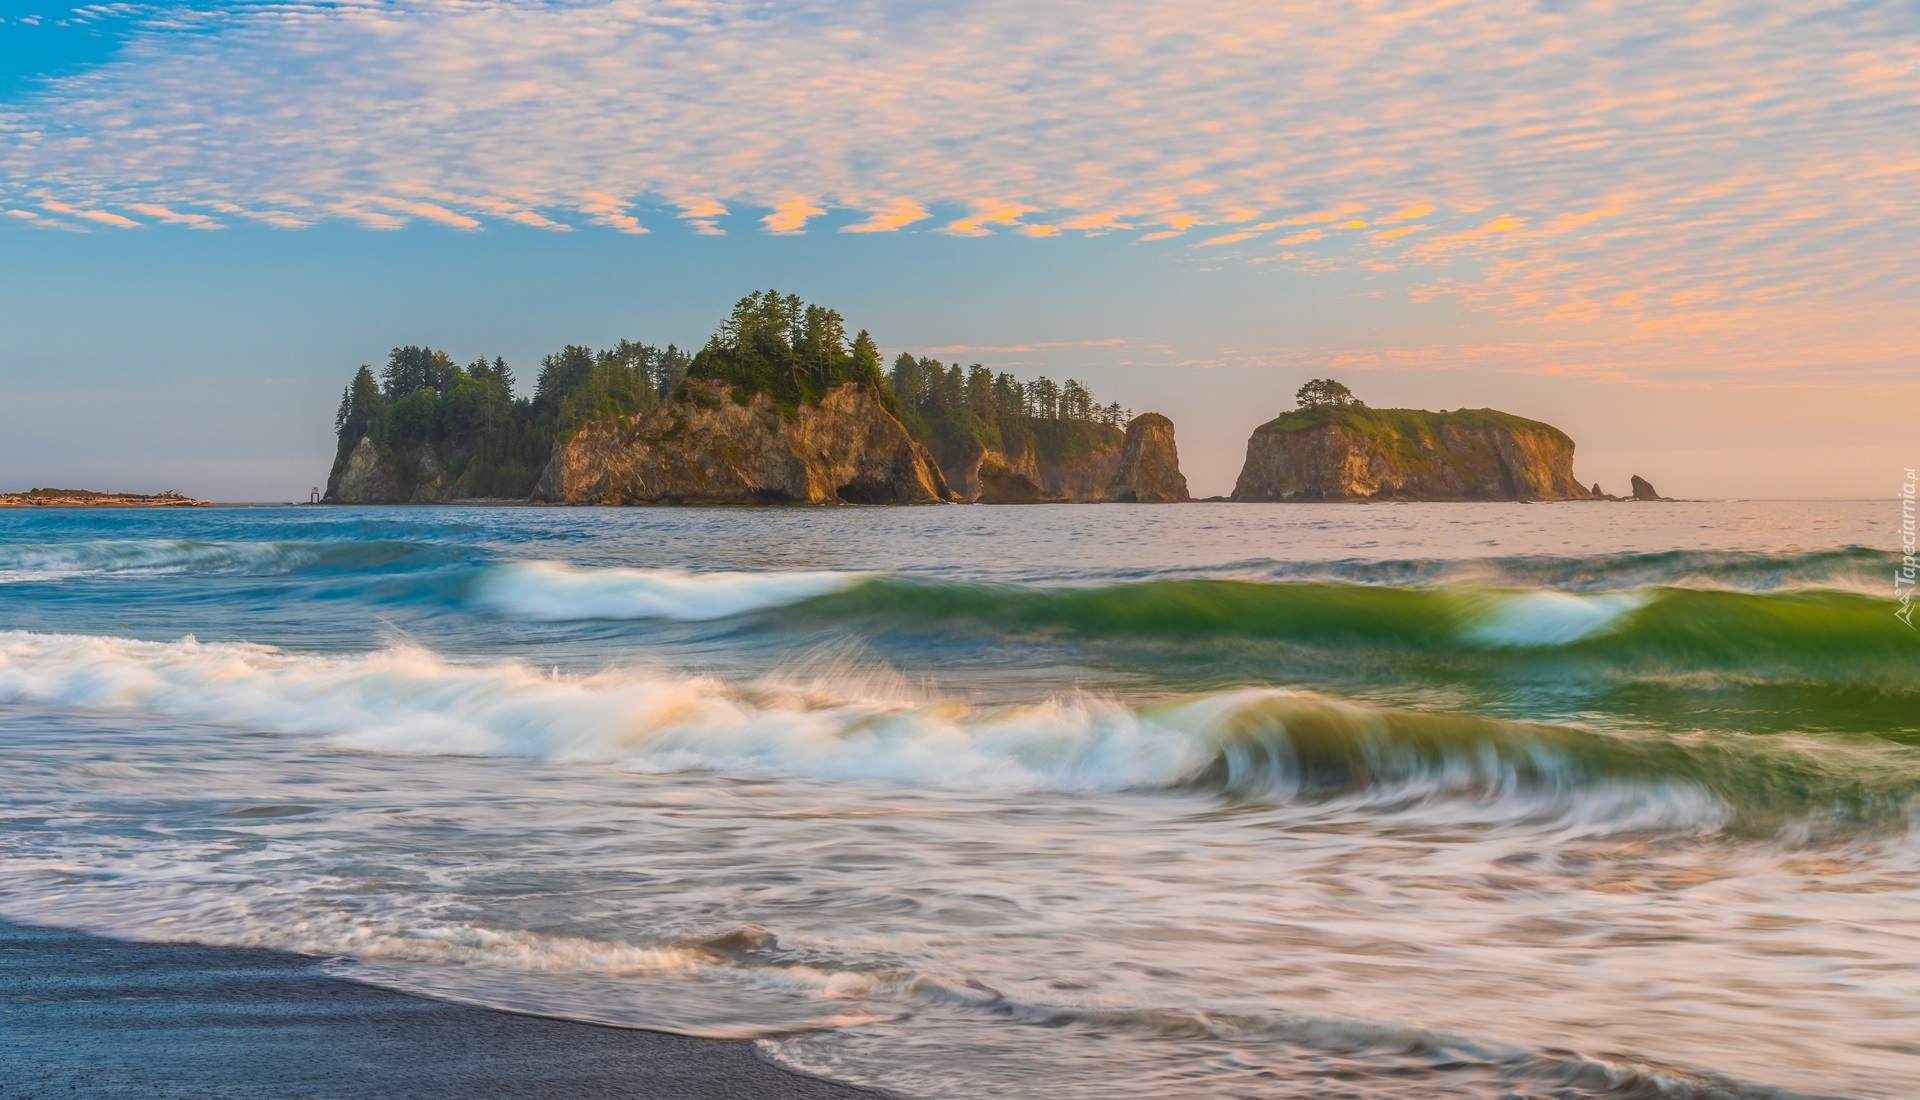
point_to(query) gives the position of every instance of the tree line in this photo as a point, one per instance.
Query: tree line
(471, 414)
(770, 343)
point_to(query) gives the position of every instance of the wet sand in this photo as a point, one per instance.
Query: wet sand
(84, 1017)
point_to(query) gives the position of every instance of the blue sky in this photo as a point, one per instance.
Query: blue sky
(1688, 237)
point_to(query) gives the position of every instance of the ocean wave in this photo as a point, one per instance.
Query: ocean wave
(1245, 744)
(22, 563)
(538, 591)
(29, 562)
(1672, 622)
(1858, 569)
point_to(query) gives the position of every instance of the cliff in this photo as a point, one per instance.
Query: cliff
(1356, 453)
(374, 472)
(1149, 470)
(709, 446)
(1060, 461)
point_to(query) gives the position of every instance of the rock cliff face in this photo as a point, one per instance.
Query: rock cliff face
(705, 447)
(1149, 470)
(373, 473)
(1350, 453)
(1076, 468)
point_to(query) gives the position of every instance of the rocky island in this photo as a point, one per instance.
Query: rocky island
(87, 498)
(703, 447)
(1332, 447)
(780, 407)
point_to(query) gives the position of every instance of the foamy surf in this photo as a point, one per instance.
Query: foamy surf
(1251, 743)
(538, 591)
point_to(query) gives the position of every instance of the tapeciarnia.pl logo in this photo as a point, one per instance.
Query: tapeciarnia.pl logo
(1904, 575)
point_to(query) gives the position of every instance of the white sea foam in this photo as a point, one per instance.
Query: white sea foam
(541, 591)
(1548, 618)
(31, 562)
(408, 701)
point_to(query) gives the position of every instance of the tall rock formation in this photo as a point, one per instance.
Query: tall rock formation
(707, 446)
(1149, 470)
(1357, 453)
(375, 473)
(1644, 490)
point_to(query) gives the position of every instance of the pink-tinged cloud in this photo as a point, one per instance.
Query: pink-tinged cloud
(704, 215)
(889, 217)
(610, 211)
(175, 217)
(791, 216)
(98, 217)
(1716, 168)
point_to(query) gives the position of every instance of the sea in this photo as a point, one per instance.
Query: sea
(1210, 800)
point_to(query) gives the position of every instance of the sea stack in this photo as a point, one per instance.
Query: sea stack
(1351, 452)
(1644, 490)
(1149, 465)
(712, 444)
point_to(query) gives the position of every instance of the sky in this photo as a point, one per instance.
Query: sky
(1688, 234)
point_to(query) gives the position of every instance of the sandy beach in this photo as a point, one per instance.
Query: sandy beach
(83, 1016)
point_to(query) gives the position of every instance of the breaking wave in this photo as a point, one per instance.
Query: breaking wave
(1254, 743)
(552, 592)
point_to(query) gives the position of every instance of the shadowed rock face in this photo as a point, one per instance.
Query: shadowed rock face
(987, 476)
(707, 448)
(373, 473)
(1149, 464)
(999, 484)
(1644, 490)
(1347, 453)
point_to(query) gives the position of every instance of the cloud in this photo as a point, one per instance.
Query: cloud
(610, 211)
(791, 216)
(174, 217)
(1717, 168)
(1021, 349)
(98, 217)
(892, 216)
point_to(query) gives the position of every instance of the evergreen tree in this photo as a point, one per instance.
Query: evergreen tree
(360, 404)
(411, 369)
(864, 366)
(1325, 393)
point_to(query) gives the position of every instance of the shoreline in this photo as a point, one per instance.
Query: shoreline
(85, 1016)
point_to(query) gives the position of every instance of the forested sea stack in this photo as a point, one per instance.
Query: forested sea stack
(780, 406)
(1332, 447)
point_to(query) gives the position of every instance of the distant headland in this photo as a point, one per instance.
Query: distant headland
(782, 407)
(87, 498)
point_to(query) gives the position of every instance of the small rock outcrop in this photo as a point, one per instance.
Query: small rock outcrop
(1356, 453)
(1149, 470)
(87, 498)
(1644, 490)
(709, 446)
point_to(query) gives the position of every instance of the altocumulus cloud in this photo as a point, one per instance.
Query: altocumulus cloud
(1746, 168)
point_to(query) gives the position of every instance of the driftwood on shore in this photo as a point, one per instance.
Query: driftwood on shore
(87, 498)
